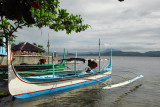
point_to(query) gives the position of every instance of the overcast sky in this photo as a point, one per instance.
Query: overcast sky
(132, 25)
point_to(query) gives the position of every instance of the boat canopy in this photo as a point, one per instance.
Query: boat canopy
(75, 59)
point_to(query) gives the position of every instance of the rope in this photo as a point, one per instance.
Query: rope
(121, 77)
(130, 72)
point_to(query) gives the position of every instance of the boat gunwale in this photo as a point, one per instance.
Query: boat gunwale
(65, 78)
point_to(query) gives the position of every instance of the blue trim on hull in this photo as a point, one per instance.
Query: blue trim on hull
(74, 86)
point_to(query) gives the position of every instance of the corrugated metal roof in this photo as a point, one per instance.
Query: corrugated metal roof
(27, 47)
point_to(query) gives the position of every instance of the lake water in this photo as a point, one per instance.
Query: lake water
(142, 93)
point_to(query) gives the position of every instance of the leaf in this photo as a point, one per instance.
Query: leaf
(38, 15)
(53, 16)
(42, 12)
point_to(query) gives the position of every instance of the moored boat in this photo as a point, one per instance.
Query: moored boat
(35, 69)
(25, 87)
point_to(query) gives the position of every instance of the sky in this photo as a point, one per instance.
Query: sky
(132, 25)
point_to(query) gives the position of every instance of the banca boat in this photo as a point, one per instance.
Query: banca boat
(25, 87)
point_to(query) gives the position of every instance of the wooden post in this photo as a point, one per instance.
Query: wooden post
(48, 45)
(75, 67)
(53, 63)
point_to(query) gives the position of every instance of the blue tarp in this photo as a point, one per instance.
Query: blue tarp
(3, 49)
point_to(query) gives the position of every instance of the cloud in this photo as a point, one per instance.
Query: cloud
(128, 26)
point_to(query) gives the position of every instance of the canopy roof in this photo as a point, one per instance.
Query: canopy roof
(27, 47)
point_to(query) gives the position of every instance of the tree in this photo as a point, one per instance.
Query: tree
(18, 13)
(40, 46)
(35, 43)
(120, 0)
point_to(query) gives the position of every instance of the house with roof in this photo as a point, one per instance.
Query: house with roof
(27, 53)
(26, 48)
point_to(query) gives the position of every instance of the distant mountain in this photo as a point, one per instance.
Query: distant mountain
(119, 53)
(153, 53)
(109, 50)
(150, 53)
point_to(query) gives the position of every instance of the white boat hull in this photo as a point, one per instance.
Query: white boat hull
(21, 88)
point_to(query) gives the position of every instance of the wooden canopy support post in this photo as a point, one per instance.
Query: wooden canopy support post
(99, 57)
(53, 63)
(75, 67)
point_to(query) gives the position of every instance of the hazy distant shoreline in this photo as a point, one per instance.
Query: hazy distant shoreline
(120, 53)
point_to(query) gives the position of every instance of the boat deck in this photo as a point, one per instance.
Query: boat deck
(62, 76)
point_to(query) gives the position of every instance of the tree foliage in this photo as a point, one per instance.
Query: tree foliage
(121, 0)
(34, 43)
(40, 46)
(18, 13)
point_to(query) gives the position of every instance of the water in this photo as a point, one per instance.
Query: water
(142, 93)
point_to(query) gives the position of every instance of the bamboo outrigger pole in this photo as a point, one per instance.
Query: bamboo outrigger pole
(99, 55)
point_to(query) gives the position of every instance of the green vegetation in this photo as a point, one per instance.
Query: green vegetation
(4, 94)
(39, 13)
(40, 46)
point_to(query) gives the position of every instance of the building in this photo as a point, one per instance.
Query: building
(27, 48)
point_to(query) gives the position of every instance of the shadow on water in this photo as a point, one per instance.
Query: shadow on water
(125, 94)
(82, 97)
